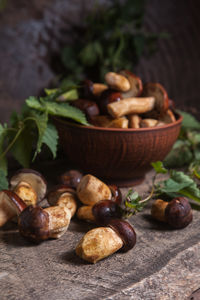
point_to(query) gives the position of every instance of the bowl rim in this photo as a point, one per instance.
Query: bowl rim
(103, 129)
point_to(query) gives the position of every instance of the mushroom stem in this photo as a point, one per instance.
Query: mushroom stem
(117, 82)
(133, 105)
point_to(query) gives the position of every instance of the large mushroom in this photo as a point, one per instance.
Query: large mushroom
(135, 85)
(29, 185)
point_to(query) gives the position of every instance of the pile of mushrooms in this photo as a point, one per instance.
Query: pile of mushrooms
(98, 203)
(125, 102)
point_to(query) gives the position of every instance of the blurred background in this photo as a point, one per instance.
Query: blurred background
(45, 41)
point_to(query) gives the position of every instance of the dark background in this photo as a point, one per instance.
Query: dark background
(33, 32)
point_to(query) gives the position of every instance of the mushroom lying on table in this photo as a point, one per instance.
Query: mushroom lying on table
(11, 205)
(101, 242)
(29, 185)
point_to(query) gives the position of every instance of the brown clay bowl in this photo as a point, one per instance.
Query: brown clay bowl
(120, 156)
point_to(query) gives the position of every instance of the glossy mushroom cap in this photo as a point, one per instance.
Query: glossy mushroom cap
(108, 96)
(34, 223)
(71, 178)
(34, 178)
(104, 211)
(125, 231)
(178, 213)
(90, 108)
(10, 205)
(116, 194)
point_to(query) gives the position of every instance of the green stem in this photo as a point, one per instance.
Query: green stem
(12, 143)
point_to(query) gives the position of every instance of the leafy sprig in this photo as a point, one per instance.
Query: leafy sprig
(28, 131)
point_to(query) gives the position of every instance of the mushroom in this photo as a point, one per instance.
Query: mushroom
(168, 117)
(108, 96)
(91, 190)
(11, 205)
(71, 178)
(38, 224)
(117, 82)
(129, 106)
(135, 85)
(85, 213)
(90, 90)
(29, 185)
(63, 196)
(109, 122)
(157, 91)
(105, 210)
(177, 213)
(148, 123)
(134, 121)
(90, 108)
(101, 242)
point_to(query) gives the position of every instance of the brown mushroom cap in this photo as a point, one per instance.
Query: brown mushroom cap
(178, 212)
(54, 194)
(157, 91)
(34, 178)
(10, 206)
(71, 178)
(135, 83)
(125, 231)
(108, 96)
(90, 108)
(34, 223)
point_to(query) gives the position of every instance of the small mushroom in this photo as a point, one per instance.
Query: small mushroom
(71, 178)
(90, 108)
(157, 91)
(134, 121)
(117, 82)
(105, 210)
(109, 122)
(108, 96)
(177, 212)
(148, 123)
(38, 224)
(168, 117)
(63, 196)
(135, 85)
(85, 213)
(91, 190)
(29, 185)
(90, 90)
(101, 242)
(11, 205)
(129, 106)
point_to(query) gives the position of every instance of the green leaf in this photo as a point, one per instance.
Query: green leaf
(88, 55)
(50, 91)
(3, 180)
(57, 109)
(50, 138)
(68, 96)
(189, 121)
(22, 148)
(180, 155)
(159, 167)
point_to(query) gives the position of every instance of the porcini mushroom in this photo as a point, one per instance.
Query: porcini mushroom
(29, 185)
(135, 85)
(177, 212)
(11, 205)
(90, 90)
(71, 178)
(108, 96)
(38, 224)
(117, 82)
(91, 190)
(133, 105)
(63, 196)
(101, 242)
(157, 91)
(90, 108)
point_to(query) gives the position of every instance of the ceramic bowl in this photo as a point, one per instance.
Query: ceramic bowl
(119, 156)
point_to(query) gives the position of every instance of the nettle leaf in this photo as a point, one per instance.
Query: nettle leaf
(180, 155)
(22, 148)
(35, 103)
(68, 96)
(159, 167)
(3, 180)
(189, 121)
(50, 138)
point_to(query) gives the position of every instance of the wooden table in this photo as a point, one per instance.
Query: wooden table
(164, 264)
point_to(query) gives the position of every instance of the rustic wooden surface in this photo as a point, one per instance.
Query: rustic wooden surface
(164, 264)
